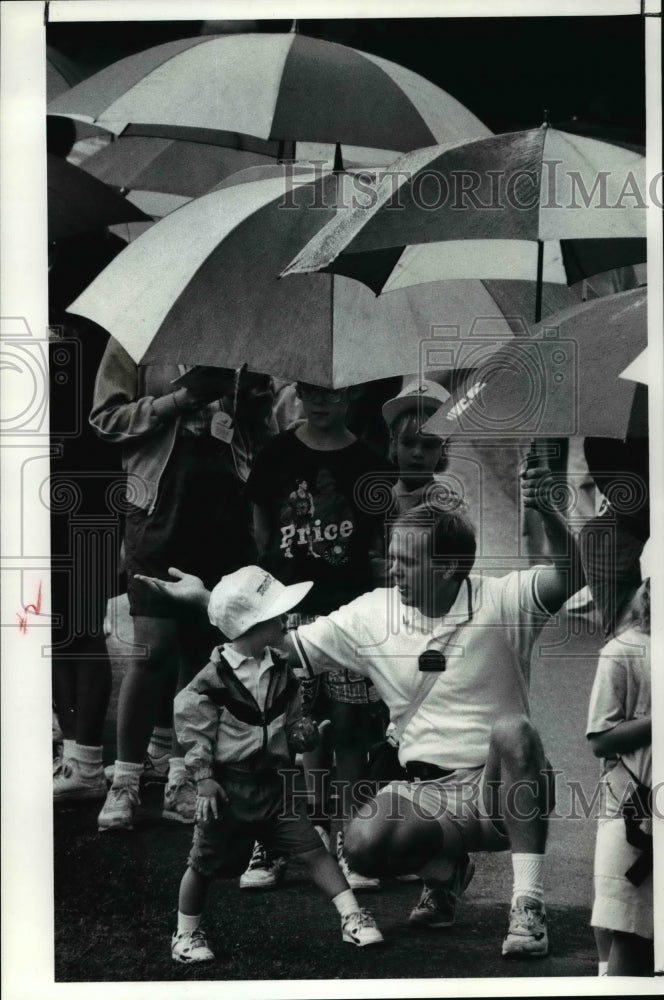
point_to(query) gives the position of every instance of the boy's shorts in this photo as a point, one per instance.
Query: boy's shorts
(345, 686)
(258, 809)
(457, 802)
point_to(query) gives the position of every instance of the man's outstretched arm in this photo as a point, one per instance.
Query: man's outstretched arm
(557, 583)
(184, 589)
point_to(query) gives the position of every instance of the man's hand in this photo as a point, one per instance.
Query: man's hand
(186, 589)
(536, 493)
(208, 794)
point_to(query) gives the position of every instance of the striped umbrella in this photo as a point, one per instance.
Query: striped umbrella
(284, 87)
(202, 286)
(494, 208)
(566, 377)
(78, 203)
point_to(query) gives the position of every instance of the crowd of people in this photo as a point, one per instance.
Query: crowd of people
(295, 595)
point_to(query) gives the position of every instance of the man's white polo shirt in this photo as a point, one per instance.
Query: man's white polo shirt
(487, 638)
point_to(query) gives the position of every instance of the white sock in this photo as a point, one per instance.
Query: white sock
(602, 968)
(346, 903)
(161, 741)
(126, 773)
(68, 747)
(528, 876)
(90, 759)
(187, 923)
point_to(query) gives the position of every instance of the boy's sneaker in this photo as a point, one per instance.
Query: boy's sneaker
(437, 904)
(70, 784)
(180, 800)
(154, 769)
(354, 879)
(264, 871)
(190, 946)
(527, 934)
(360, 929)
(118, 810)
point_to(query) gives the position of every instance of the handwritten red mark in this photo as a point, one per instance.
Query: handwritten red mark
(33, 609)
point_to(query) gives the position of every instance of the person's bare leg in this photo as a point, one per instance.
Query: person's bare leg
(140, 686)
(631, 955)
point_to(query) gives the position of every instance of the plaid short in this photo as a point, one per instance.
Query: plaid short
(257, 810)
(345, 686)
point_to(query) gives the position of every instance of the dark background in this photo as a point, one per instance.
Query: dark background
(507, 71)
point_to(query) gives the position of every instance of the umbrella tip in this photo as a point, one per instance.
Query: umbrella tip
(545, 123)
(338, 167)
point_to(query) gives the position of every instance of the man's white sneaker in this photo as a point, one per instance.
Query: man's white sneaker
(354, 879)
(359, 928)
(437, 904)
(119, 809)
(191, 946)
(527, 934)
(264, 871)
(70, 784)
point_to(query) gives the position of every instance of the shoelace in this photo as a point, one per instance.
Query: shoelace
(258, 858)
(128, 790)
(528, 915)
(58, 764)
(363, 918)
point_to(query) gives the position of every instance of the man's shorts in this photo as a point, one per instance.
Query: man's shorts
(258, 809)
(457, 803)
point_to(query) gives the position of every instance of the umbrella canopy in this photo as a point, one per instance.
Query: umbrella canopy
(273, 86)
(508, 192)
(562, 379)
(176, 160)
(78, 203)
(202, 286)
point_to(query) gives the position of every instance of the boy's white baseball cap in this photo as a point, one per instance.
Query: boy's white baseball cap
(249, 596)
(422, 395)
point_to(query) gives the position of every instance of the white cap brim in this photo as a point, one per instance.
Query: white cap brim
(288, 599)
(395, 407)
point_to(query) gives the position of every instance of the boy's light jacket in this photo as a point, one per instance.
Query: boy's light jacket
(218, 721)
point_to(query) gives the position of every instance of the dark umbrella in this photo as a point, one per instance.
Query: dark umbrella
(78, 203)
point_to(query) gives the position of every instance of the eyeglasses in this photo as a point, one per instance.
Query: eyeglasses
(431, 661)
(311, 393)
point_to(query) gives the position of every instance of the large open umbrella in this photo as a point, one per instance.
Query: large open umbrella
(78, 203)
(286, 87)
(202, 286)
(498, 199)
(562, 379)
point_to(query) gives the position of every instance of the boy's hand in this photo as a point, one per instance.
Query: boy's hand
(185, 588)
(207, 792)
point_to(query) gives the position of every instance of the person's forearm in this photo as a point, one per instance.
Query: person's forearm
(563, 548)
(623, 738)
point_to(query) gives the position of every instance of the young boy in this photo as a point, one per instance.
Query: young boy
(312, 488)
(417, 456)
(240, 721)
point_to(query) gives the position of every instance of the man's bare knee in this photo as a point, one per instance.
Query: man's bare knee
(364, 843)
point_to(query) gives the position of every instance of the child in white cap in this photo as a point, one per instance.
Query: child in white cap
(240, 720)
(418, 456)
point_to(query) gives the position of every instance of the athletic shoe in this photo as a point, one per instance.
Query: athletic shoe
(527, 935)
(437, 905)
(359, 928)
(119, 808)
(71, 785)
(180, 800)
(154, 769)
(190, 946)
(324, 836)
(354, 879)
(264, 871)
